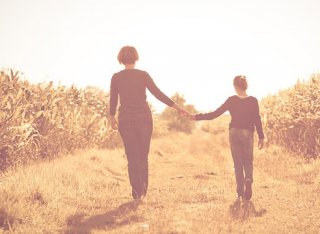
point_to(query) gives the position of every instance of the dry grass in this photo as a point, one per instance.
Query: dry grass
(192, 190)
(32, 115)
(292, 117)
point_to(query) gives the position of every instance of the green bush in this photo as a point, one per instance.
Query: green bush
(174, 121)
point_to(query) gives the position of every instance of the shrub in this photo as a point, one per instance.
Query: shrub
(176, 122)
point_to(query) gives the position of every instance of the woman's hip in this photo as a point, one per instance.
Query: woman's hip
(136, 123)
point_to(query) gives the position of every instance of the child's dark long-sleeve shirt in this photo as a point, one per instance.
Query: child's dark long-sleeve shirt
(244, 113)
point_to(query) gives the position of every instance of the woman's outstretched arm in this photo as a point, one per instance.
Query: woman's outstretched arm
(153, 88)
(180, 110)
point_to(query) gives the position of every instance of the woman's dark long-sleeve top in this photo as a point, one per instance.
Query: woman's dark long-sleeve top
(244, 113)
(130, 85)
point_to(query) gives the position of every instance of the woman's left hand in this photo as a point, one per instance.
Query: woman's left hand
(180, 110)
(114, 123)
(260, 143)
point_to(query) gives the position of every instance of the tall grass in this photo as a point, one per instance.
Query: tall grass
(41, 121)
(293, 117)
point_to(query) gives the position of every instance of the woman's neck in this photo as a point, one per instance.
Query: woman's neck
(242, 94)
(129, 66)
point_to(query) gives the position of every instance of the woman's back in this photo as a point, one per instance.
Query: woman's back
(130, 85)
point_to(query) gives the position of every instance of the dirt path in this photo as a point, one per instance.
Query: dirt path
(192, 190)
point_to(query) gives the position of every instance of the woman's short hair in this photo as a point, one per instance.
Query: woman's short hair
(240, 82)
(128, 55)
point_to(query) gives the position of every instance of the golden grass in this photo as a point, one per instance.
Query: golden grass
(42, 196)
(291, 117)
(192, 190)
(32, 115)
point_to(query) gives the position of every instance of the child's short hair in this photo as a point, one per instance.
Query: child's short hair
(240, 82)
(128, 55)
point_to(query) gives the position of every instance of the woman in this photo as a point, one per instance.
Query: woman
(135, 118)
(245, 118)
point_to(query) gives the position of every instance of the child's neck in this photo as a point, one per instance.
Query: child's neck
(129, 66)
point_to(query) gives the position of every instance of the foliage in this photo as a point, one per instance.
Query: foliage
(293, 117)
(176, 122)
(40, 121)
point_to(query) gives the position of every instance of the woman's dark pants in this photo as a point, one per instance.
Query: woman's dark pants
(136, 136)
(241, 143)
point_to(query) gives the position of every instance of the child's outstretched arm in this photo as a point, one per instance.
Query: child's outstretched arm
(211, 115)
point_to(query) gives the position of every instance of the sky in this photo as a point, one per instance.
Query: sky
(193, 47)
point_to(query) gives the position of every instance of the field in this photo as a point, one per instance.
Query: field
(63, 171)
(192, 190)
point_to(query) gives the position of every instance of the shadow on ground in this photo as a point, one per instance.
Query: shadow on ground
(123, 215)
(244, 210)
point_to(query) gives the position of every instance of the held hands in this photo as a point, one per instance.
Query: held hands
(181, 111)
(114, 123)
(192, 117)
(184, 113)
